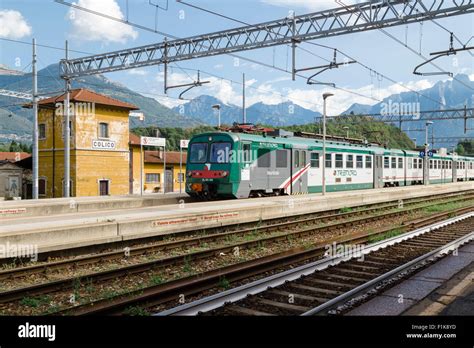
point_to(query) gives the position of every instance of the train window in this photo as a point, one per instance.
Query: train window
(394, 162)
(302, 158)
(198, 153)
(263, 158)
(386, 162)
(431, 164)
(328, 160)
(297, 159)
(350, 161)
(420, 163)
(410, 163)
(281, 158)
(314, 160)
(368, 162)
(359, 162)
(400, 162)
(220, 152)
(339, 161)
(246, 153)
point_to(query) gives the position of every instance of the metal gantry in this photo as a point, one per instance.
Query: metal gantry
(19, 95)
(351, 19)
(448, 114)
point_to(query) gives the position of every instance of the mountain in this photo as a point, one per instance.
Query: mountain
(357, 109)
(453, 93)
(283, 114)
(49, 81)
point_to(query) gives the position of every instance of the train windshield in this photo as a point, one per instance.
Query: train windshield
(198, 153)
(220, 153)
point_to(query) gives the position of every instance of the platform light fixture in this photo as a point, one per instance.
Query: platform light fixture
(325, 96)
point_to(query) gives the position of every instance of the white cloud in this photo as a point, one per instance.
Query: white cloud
(267, 93)
(90, 27)
(312, 5)
(13, 25)
(138, 72)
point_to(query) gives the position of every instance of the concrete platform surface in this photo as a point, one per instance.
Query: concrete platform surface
(424, 292)
(62, 231)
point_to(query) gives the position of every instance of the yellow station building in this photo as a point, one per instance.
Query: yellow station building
(105, 157)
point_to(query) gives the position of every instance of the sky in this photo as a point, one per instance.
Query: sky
(384, 65)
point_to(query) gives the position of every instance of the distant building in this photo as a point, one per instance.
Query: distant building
(99, 159)
(153, 162)
(11, 180)
(13, 156)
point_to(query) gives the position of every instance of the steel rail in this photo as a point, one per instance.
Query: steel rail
(233, 295)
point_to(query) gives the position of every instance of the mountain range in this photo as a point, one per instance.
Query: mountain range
(15, 121)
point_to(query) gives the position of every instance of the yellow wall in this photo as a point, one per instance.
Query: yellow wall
(136, 164)
(158, 168)
(88, 165)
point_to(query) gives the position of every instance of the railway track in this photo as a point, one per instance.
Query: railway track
(189, 286)
(318, 288)
(355, 217)
(98, 253)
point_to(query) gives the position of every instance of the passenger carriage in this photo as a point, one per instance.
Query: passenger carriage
(240, 165)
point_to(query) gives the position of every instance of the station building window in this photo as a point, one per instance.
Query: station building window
(314, 160)
(42, 186)
(104, 187)
(359, 162)
(103, 130)
(350, 161)
(41, 131)
(152, 177)
(368, 162)
(339, 161)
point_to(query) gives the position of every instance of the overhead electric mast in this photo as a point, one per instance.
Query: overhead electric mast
(339, 21)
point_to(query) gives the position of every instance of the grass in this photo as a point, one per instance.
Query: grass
(35, 302)
(386, 235)
(345, 210)
(136, 311)
(156, 280)
(224, 283)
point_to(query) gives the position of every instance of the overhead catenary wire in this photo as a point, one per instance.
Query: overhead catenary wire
(139, 26)
(323, 46)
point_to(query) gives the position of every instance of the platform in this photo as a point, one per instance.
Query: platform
(443, 288)
(64, 231)
(58, 206)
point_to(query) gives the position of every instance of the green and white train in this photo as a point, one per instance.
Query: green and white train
(240, 165)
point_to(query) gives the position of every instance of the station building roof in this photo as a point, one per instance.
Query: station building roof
(86, 96)
(172, 157)
(13, 156)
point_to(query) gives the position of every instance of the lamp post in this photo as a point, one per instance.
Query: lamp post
(218, 108)
(347, 131)
(426, 164)
(325, 96)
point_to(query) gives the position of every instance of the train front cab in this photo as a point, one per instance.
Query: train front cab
(209, 171)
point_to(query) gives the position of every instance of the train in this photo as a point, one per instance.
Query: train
(243, 164)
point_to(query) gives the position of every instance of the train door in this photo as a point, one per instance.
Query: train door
(280, 171)
(378, 171)
(300, 166)
(454, 170)
(169, 180)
